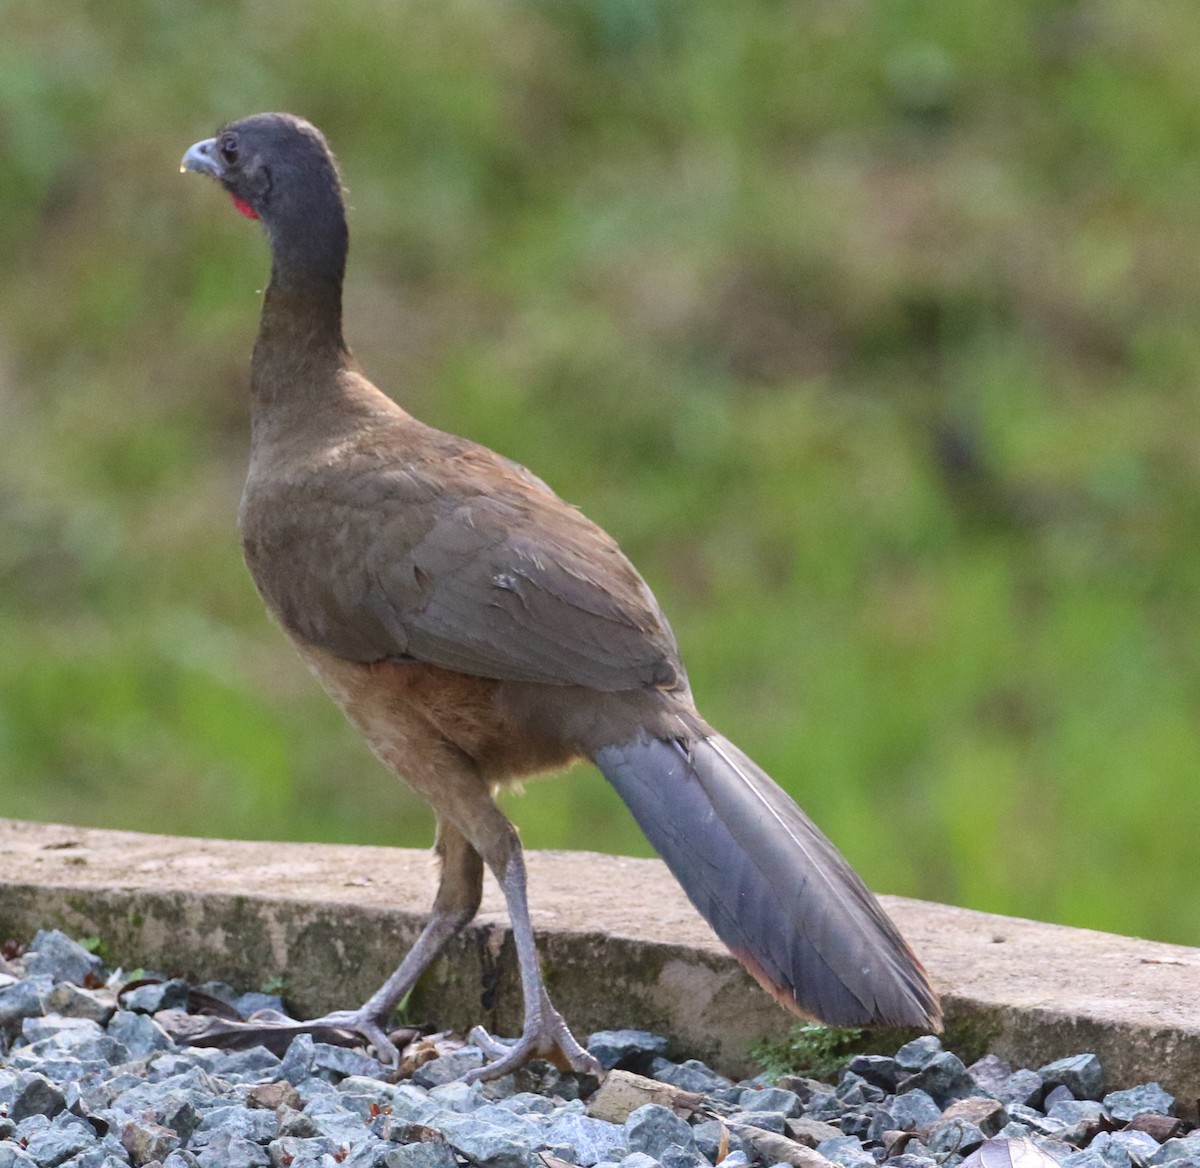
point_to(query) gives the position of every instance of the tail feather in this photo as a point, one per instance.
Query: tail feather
(774, 889)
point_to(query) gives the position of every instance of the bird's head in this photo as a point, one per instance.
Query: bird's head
(278, 168)
(265, 161)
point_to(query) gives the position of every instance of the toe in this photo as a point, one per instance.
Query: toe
(547, 1039)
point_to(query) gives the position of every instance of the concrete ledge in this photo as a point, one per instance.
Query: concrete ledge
(621, 946)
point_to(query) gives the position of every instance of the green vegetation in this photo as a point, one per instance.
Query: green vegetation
(819, 1052)
(274, 985)
(871, 330)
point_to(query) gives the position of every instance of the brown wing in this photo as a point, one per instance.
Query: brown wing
(462, 560)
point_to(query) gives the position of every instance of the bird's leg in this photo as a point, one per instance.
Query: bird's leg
(454, 783)
(472, 831)
(457, 901)
(545, 1033)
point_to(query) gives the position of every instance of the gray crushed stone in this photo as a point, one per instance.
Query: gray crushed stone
(91, 1077)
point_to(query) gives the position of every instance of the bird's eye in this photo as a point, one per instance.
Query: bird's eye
(229, 150)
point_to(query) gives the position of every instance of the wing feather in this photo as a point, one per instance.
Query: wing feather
(465, 561)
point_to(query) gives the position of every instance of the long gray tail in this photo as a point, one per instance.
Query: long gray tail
(777, 892)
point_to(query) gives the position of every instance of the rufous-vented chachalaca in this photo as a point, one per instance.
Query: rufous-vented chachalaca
(476, 629)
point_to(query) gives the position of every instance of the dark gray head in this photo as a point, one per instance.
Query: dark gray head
(278, 168)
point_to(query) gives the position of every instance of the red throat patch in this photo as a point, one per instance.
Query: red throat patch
(244, 207)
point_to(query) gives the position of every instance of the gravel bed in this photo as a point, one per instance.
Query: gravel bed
(91, 1077)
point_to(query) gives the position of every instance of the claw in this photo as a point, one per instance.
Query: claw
(367, 1026)
(546, 1038)
(341, 1028)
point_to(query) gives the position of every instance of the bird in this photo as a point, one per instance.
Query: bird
(476, 629)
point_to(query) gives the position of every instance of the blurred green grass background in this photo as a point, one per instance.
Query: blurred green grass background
(869, 329)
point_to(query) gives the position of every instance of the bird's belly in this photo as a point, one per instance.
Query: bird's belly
(411, 712)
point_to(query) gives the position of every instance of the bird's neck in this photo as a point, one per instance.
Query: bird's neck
(300, 348)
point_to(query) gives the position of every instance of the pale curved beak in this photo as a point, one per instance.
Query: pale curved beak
(202, 158)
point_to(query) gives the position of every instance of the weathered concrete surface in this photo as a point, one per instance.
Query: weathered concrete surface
(620, 942)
